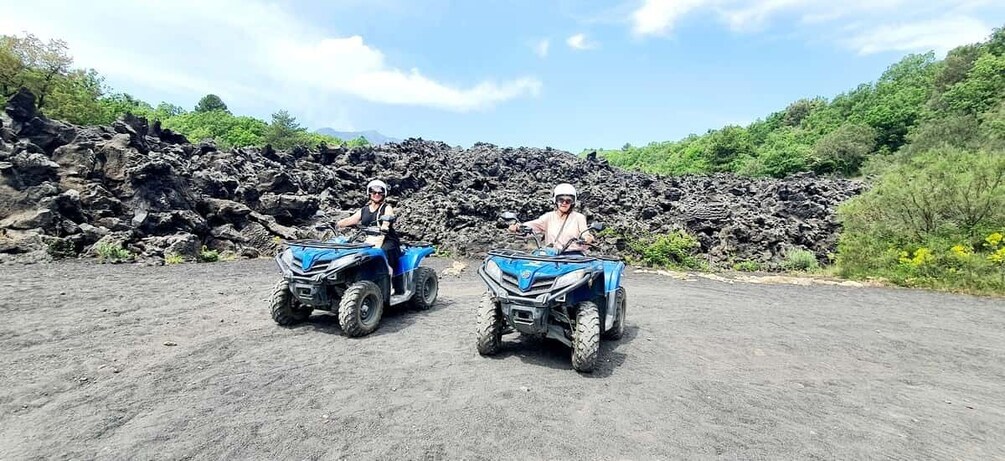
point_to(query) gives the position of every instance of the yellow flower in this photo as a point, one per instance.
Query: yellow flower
(998, 257)
(961, 251)
(921, 256)
(994, 239)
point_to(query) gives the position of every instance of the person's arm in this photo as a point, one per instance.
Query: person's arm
(350, 221)
(588, 236)
(537, 225)
(388, 211)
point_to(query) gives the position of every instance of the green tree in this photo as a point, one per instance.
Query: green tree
(284, 132)
(209, 103)
(226, 129)
(74, 98)
(983, 88)
(31, 63)
(799, 110)
(844, 150)
(727, 145)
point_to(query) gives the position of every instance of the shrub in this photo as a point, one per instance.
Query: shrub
(174, 259)
(800, 260)
(676, 249)
(747, 266)
(208, 256)
(113, 252)
(929, 221)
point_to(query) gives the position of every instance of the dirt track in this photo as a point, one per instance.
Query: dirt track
(706, 369)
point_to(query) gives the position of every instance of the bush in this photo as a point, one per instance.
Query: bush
(800, 260)
(61, 248)
(676, 249)
(844, 150)
(747, 266)
(208, 256)
(929, 221)
(174, 259)
(113, 252)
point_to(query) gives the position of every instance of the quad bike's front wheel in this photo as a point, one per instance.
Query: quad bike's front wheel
(361, 308)
(621, 304)
(490, 325)
(286, 310)
(427, 287)
(586, 337)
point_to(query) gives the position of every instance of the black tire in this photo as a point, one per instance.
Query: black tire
(361, 308)
(285, 308)
(586, 337)
(427, 288)
(490, 325)
(621, 304)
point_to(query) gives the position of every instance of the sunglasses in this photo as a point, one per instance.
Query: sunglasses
(563, 201)
(379, 192)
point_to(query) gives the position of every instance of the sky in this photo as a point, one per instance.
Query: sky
(568, 74)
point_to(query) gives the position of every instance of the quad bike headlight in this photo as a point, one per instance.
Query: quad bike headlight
(570, 278)
(493, 270)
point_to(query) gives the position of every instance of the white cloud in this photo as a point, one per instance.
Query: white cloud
(541, 47)
(657, 17)
(753, 15)
(241, 49)
(579, 42)
(940, 35)
(866, 26)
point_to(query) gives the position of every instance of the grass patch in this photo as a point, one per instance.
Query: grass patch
(113, 252)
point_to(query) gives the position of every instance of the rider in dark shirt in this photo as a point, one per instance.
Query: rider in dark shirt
(369, 214)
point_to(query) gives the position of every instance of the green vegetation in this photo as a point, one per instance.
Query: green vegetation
(747, 266)
(208, 256)
(933, 220)
(800, 260)
(674, 250)
(113, 252)
(80, 96)
(929, 137)
(919, 103)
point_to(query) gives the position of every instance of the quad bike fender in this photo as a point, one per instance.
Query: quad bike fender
(613, 271)
(411, 257)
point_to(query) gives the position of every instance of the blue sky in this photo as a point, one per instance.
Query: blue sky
(570, 74)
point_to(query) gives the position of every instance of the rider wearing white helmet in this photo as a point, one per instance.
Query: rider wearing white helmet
(369, 214)
(563, 224)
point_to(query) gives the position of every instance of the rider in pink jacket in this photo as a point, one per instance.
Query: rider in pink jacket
(563, 224)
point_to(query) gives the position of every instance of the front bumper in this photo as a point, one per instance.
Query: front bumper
(545, 300)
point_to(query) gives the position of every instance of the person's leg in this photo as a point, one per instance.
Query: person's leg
(393, 253)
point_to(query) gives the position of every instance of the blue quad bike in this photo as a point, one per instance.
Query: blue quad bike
(572, 298)
(347, 276)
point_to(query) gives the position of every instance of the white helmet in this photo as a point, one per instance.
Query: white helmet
(377, 184)
(564, 189)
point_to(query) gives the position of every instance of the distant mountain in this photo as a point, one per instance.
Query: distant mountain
(370, 135)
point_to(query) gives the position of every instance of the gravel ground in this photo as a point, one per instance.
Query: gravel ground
(184, 362)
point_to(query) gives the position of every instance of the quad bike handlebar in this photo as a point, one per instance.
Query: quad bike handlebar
(361, 232)
(524, 231)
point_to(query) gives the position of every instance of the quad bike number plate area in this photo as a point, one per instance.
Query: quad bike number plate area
(527, 319)
(310, 294)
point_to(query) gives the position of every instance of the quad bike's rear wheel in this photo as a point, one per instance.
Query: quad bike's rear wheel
(427, 287)
(586, 337)
(490, 325)
(621, 304)
(285, 308)
(361, 308)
